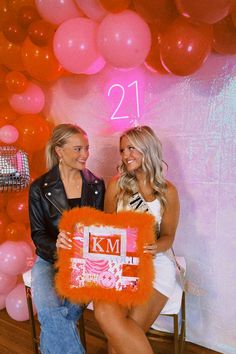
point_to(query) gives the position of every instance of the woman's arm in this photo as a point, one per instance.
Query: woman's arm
(169, 222)
(111, 196)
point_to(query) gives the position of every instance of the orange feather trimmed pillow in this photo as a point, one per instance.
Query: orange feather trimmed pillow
(106, 261)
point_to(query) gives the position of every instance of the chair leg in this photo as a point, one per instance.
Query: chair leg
(82, 331)
(31, 319)
(176, 334)
(183, 325)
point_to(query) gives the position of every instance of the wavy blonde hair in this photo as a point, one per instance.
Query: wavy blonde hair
(147, 143)
(61, 133)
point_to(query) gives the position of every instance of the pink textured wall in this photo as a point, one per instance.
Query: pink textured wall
(195, 119)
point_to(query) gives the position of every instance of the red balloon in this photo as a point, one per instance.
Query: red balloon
(115, 5)
(34, 132)
(153, 60)
(41, 62)
(16, 231)
(16, 82)
(5, 13)
(207, 11)
(38, 163)
(41, 32)
(153, 10)
(224, 36)
(14, 32)
(17, 208)
(16, 5)
(7, 113)
(27, 15)
(185, 46)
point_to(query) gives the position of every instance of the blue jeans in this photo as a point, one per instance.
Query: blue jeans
(58, 317)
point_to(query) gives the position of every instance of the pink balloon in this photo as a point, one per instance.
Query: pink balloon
(92, 8)
(31, 101)
(95, 67)
(124, 39)
(57, 11)
(7, 282)
(3, 301)
(30, 258)
(75, 44)
(8, 134)
(16, 304)
(12, 260)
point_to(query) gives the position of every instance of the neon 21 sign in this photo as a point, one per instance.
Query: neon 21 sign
(124, 91)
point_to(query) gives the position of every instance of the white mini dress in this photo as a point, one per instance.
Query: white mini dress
(165, 270)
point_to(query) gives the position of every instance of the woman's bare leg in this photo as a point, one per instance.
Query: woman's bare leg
(124, 335)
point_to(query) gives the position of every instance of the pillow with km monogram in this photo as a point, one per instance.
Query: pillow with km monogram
(106, 261)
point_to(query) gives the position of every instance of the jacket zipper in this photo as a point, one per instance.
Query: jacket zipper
(53, 204)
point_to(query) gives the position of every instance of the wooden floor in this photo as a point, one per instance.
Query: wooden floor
(15, 339)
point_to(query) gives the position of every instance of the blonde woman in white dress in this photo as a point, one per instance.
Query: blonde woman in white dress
(141, 186)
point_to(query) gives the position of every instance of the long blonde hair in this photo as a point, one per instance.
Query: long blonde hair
(59, 137)
(147, 143)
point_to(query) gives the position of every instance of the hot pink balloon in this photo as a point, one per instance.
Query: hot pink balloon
(57, 11)
(8, 134)
(31, 101)
(92, 8)
(75, 44)
(16, 304)
(12, 260)
(7, 282)
(3, 301)
(124, 39)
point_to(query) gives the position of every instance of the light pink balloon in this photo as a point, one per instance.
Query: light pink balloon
(31, 101)
(124, 39)
(75, 44)
(3, 301)
(95, 67)
(7, 282)
(57, 11)
(16, 304)
(12, 260)
(92, 8)
(30, 256)
(8, 134)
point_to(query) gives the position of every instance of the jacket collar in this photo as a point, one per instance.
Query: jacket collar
(54, 191)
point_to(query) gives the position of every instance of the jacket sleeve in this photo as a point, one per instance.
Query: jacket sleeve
(101, 195)
(40, 232)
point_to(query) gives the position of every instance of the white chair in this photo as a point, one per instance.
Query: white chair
(34, 336)
(175, 309)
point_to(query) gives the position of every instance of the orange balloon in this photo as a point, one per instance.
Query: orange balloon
(16, 5)
(5, 13)
(13, 31)
(17, 208)
(185, 46)
(40, 62)
(27, 15)
(38, 163)
(34, 132)
(16, 231)
(10, 54)
(153, 10)
(3, 201)
(41, 32)
(7, 113)
(3, 93)
(224, 37)
(4, 221)
(115, 5)
(16, 82)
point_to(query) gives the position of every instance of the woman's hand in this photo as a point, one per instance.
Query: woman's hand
(151, 248)
(64, 240)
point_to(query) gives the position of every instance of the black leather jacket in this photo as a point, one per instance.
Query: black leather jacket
(47, 201)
